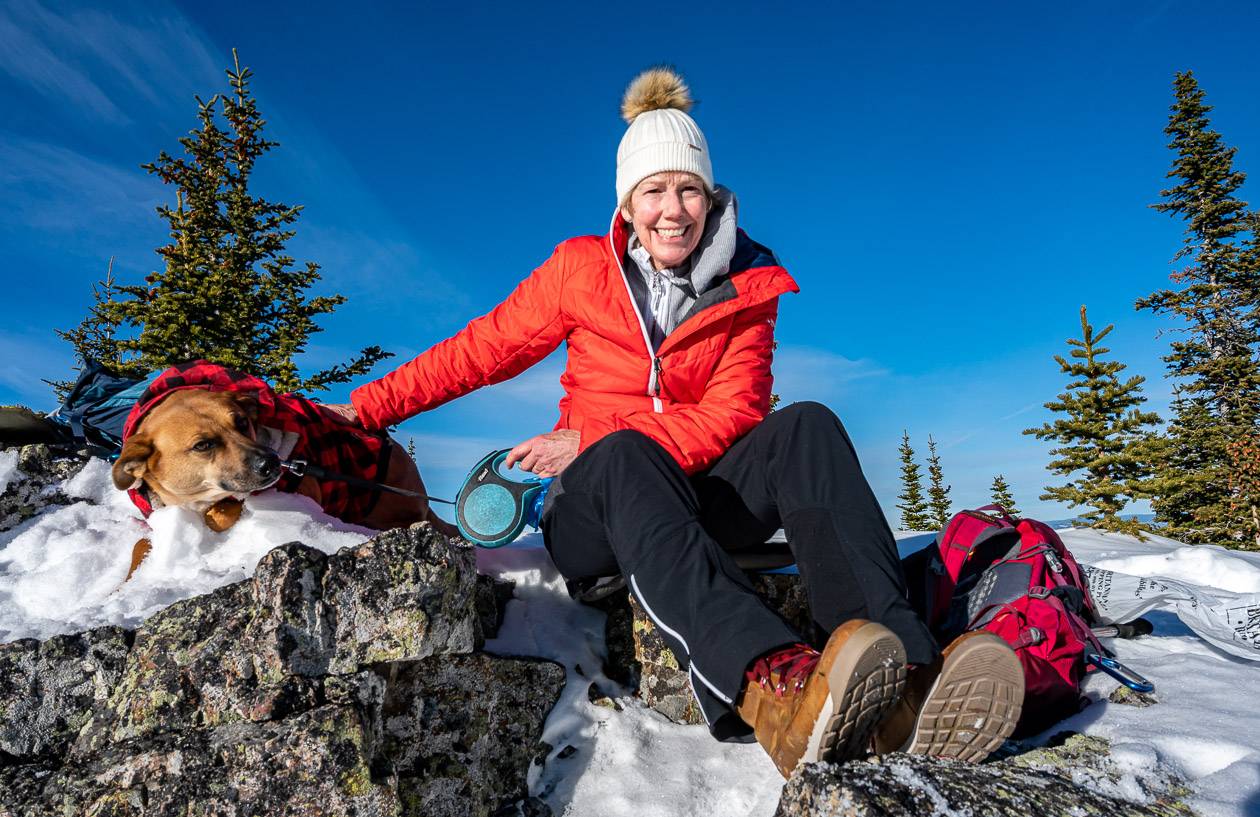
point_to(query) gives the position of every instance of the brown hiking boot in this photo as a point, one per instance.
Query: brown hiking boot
(961, 706)
(805, 706)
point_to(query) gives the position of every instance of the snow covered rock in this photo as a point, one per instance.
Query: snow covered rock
(31, 476)
(325, 684)
(1076, 778)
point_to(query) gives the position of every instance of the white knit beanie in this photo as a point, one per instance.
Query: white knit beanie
(661, 135)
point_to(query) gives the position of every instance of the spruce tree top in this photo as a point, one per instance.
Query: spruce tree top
(228, 291)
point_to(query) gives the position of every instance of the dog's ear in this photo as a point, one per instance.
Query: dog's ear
(248, 403)
(132, 462)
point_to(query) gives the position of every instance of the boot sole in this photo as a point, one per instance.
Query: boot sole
(864, 681)
(974, 704)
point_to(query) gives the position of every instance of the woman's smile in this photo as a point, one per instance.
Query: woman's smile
(667, 211)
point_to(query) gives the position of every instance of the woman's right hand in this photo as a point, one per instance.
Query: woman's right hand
(343, 413)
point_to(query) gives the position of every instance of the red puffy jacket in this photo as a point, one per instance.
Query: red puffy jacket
(707, 385)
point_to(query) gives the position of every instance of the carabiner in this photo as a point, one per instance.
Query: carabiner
(1119, 671)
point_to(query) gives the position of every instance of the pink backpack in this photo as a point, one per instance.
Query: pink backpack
(1016, 579)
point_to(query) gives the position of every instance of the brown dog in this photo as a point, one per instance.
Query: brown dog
(199, 449)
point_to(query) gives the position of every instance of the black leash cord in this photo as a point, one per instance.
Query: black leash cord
(302, 468)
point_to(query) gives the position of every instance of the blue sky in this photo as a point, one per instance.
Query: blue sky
(947, 182)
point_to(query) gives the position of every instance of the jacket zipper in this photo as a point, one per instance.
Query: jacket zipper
(654, 370)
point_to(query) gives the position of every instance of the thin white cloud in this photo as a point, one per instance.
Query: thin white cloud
(28, 360)
(25, 56)
(807, 373)
(53, 188)
(446, 452)
(1020, 411)
(377, 266)
(163, 59)
(100, 63)
(538, 386)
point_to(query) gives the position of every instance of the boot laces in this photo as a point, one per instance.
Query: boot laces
(784, 669)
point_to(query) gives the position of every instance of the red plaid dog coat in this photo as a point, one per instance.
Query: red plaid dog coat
(296, 428)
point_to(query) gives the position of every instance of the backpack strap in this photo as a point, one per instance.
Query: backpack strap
(1001, 513)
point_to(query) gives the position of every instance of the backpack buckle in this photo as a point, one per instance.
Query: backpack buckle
(1030, 637)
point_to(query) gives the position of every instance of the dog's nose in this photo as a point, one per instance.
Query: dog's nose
(265, 463)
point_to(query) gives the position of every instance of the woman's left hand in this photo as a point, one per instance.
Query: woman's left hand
(547, 454)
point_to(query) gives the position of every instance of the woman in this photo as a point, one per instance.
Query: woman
(667, 458)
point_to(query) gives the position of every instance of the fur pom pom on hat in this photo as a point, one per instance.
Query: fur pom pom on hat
(662, 136)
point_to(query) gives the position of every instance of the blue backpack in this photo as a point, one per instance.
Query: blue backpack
(95, 410)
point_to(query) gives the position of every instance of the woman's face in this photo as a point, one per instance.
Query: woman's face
(667, 211)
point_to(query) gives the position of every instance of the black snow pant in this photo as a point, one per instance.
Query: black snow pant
(625, 506)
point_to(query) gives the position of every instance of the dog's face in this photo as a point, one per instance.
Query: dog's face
(197, 447)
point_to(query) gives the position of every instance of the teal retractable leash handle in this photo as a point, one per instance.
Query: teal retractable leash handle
(492, 510)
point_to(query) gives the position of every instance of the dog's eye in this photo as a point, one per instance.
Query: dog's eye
(242, 424)
(204, 445)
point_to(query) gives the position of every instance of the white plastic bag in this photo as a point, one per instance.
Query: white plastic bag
(1230, 621)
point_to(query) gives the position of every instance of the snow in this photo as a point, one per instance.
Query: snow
(1205, 565)
(63, 571)
(8, 468)
(626, 763)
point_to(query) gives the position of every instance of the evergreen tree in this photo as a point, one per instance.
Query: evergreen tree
(1244, 456)
(96, 336)
(1104, 436)
(938, 491)
(411, 448)
(229, 292)
(1214, 360)
(913, 506)
(1001, 492)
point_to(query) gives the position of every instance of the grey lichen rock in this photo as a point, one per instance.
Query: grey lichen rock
(22, 789)
(404, 595)
(37, 485)
(1129, 697)
(48, 689)
(314, 763)
(460, 732)
(324, 685)
(662, 684)
(491, 601)
(905, 785)
(258, 650)
(1086, 761)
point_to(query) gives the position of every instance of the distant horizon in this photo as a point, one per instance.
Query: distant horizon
(947, 185)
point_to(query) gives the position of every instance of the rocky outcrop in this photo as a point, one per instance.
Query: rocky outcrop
(48, 689)
(324, 685)
(42, 472)
(639, 656)
(1068, 779)
(462, 731)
